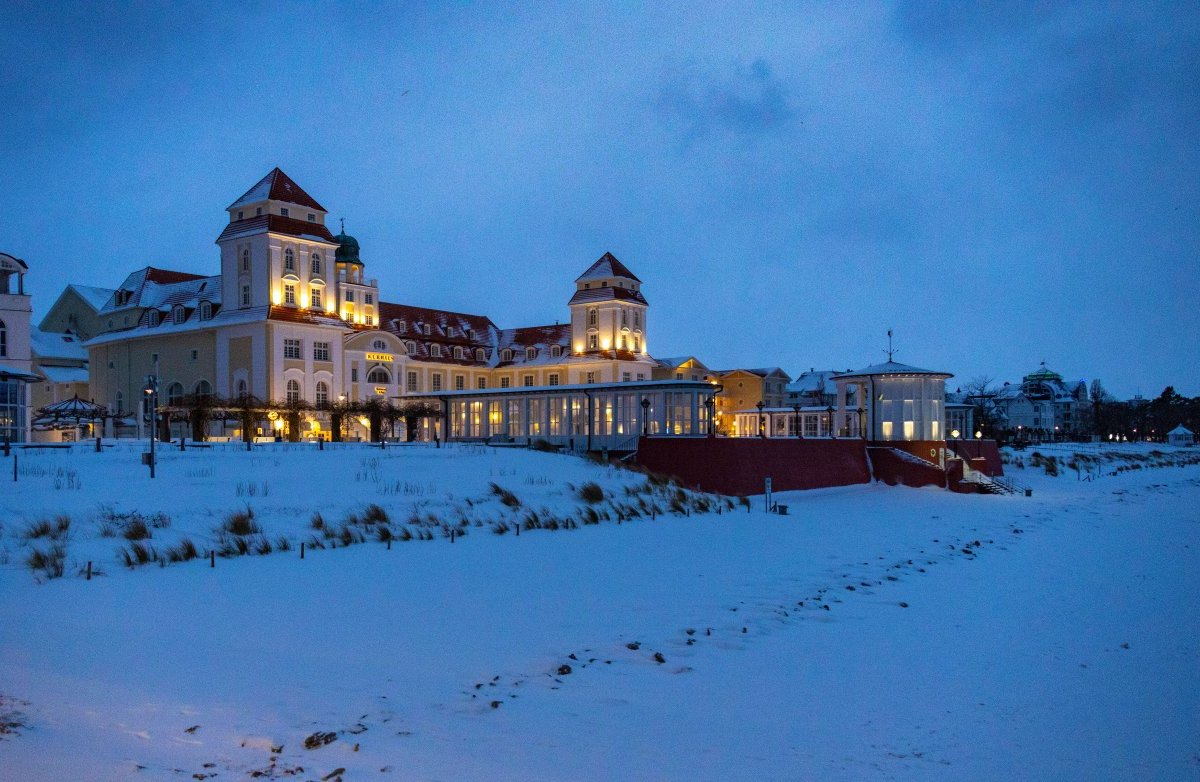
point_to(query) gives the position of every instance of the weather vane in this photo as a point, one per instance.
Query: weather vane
(891, 351)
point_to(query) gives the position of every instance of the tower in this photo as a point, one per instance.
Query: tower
(276, 249)
(608, 311)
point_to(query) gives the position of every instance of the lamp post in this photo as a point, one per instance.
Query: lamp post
(762, 422)
(708, 403)
(829, 422)
(978, 444)
(645, 416)
(796, 418)
(862, 432)
(151, 393)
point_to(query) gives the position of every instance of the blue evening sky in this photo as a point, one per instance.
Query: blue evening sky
(1001, 183)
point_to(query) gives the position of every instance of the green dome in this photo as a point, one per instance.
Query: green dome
(347, 251)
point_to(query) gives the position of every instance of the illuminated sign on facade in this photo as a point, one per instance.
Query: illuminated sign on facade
(379, 357)
(380, 390)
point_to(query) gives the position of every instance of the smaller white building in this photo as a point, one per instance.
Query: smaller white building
(1181, 436)
(892, 401)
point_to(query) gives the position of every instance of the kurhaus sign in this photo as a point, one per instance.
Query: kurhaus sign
(379, 357)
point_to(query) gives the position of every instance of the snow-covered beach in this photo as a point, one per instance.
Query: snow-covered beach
(873, 632)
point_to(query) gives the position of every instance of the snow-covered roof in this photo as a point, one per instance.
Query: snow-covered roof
(1181, 429)
(277, 186)
(65, 374)
(49, 344)
(812, 381)
(94, 297)
(892, 368)
(607, 267)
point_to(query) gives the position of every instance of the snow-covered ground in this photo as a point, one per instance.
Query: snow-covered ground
(873, 632)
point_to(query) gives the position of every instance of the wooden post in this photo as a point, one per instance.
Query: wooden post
(518, 528)
(301, 549)
(89, 575)
(389, 542)
(212, 558)
(451, 535)
(97, 445)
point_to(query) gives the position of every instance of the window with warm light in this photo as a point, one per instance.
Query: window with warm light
(289, 295)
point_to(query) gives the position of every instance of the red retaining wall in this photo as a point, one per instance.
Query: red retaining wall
(892, 468)
(739, 465)
(976, 449)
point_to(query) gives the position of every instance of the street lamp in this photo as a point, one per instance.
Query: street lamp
(796, 418)
(645, 416)
(862, 425)
(762, 422)
(708, 403)
(151, 394)
(829, 422)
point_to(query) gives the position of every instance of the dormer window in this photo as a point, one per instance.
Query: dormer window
(258, 211)
(316, 263)
(205, 310)
(411, 347)
(289, 260)
(239, 214)
(283, 211)
(435, 350)
(469, 333)
(530, 354)
(506, 355)
(555, 351)
(459, 354)
(401, 326)
(312, 218)
(428, 329)
(153, 317)
(450, 332)
(480, 354)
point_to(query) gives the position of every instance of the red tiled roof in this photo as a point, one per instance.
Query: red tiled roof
(532, 336)
(607, 266)
(607, 294)
(278, 186)
(297, 315)
(167, 277)
(481, 326)
(277, 224)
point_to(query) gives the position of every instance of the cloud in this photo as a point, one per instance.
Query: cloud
(746, 102)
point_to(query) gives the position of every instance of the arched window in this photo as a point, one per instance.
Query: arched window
(379, 344)
(506, 355)
(242, 389)
(530, 354)
(592, 317)
(480, 354)
(289, 260)
(637, 344)
(435, 350)
(322, 393)
(203, 388)
(175, 394)
(316, 263)
(293, 392)
(555, 351)
(411, 347)
(4, 338)
(459, 353)
(178, 314)
(205, 310)
(379, 375)
(153, 317)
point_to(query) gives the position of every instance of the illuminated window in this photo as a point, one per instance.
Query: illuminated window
(315, 297)
(887, 429)
(289, 294)
(593, 342)
(908, 430)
